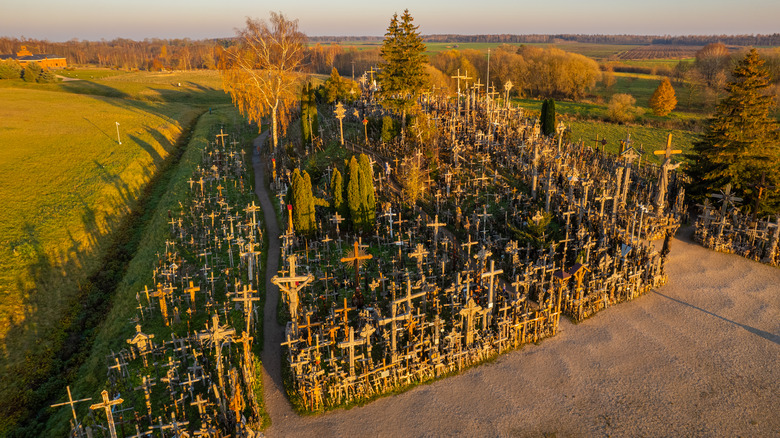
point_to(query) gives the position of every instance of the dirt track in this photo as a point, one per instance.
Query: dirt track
(698, 357)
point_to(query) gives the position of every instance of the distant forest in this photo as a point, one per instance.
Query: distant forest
(686, 40)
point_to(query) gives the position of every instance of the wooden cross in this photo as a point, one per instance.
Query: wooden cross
(246, 298)
(344, 314)
(215, 335)
(356, 257)
(468, 246)
(71, 403)
(351, 344)
(419, 253)
(107, 403)
(221, 137)
(191, 291)
(291, 286)
(665, 167)
(491, 275)
(142, 342)
(336, 219)
(436, 224)
(469, 312)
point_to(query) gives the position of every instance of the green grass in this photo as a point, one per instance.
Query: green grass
(66, 187)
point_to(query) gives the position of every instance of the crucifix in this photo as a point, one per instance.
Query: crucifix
(663, 180)
(291, 286)
(72, 402)
(107, 406)
(246, 298)
(215, 335)
(468, 313)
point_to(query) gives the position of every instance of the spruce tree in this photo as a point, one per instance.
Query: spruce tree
(741, 140)
(663, 101)
(402, 76)
(353, 193)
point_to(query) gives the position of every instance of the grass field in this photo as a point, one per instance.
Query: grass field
(66, 184)
(169, 194)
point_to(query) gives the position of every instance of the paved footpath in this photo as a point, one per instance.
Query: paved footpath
(698, 357)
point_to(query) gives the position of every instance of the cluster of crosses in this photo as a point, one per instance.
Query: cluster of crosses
(188, 369)
(725, 228)
(514, 229)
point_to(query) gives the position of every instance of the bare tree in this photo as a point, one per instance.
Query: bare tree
(262, 71)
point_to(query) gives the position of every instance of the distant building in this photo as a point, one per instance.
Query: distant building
(46, 61)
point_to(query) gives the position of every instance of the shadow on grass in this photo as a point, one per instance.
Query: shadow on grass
(45, 348)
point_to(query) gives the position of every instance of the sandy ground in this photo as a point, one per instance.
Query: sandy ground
(698, 357)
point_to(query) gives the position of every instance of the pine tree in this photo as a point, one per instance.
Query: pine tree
(337, 192)
(353, 193)
(543, 116)
(741, 139)
(663, 101)
(402, 76)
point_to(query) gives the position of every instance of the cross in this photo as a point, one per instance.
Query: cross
(340, 112)
(290, 286)
(351, 344)
(107, 406)
(436, 224)
(665, 167)
(72, 402)
(221, 137)
(491, 275)
(761, 186)
(469, 312)
(356, 257)
(468, 246)
(215, 335)
(409, 296)
(336, 219)
(191, 291)
(247, 297)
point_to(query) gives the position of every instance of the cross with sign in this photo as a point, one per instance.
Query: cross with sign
(340, 112)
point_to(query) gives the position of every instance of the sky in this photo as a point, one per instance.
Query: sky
(60, 20)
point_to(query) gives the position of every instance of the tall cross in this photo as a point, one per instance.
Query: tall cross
(72, 402)
(107, 403)
(492, 274)
(665, 167)
(351, 344)
(356, 257)
(246, 298)
(436, 224)
(419, 254)
(469, 312)
(290, 286)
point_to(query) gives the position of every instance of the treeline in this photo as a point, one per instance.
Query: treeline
(532, 71)
(149, 54)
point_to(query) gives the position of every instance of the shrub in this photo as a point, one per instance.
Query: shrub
(621, 108)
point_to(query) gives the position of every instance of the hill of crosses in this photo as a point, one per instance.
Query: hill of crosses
(511, 229)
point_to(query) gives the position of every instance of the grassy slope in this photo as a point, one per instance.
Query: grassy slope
(91, 378)
(66, 185)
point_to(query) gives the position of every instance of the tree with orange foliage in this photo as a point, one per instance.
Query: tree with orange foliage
(261, 72)
(663, 101)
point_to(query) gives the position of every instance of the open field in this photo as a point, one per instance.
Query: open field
(67, 186)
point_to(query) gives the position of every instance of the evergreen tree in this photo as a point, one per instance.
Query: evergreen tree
(306, 112)
(367, 195)
(337, 192)
(340, 89)
(740, 142)
(663, 101)
(353, 192)
(302, 203)
(308, 214)
(31, 72)
(543, 116)
(548, 117)
(402, 76)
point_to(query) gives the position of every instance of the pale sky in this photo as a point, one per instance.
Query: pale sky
(60, 20)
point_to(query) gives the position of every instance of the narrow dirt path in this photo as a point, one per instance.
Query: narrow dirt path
(275, 399)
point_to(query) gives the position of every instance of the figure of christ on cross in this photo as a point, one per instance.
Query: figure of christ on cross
(355, 257)
(291, 286)
(663, 180)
